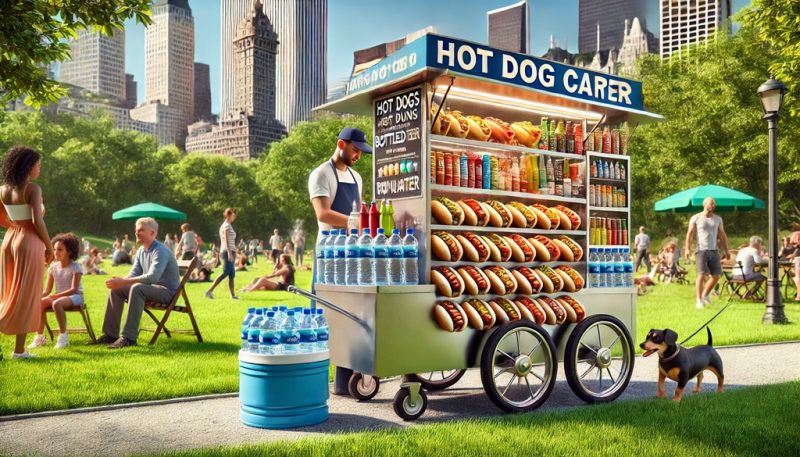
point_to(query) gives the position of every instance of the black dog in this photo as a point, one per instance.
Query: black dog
(682, 364)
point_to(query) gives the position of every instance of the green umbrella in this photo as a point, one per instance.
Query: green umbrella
(691, 200)
(153, 210)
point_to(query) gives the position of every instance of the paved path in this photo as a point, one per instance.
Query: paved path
(215, 422)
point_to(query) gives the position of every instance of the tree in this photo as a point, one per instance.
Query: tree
(778, 28)
(283, 172)
(33, 35)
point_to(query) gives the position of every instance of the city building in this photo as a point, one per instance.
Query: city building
(509, 27)
(638, 41)
(169, 71)
(83, 103)
(685, 22)
(231, 13)
(131, 96)
(301, 82)
(251, 124)
(97, 63)
(611, 16)
(367, 57)
(202, 92)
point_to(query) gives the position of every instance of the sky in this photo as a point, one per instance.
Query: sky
(359, 24)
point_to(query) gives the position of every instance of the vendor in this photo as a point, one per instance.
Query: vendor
(334, 188)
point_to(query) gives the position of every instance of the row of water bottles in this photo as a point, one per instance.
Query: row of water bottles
(281, 330)
(610, 267)
(353, 260)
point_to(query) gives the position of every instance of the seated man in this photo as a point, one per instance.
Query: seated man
(749, 257)
(153, 277)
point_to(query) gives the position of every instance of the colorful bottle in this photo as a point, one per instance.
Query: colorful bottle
(515, 184)
(542, 175)
(577, 138)
(374, 218)
(495, 167)
(533, 174)
(570, 138)
(464, 170)
(523, 174)
(545, 140)
(487, 172)
(456, 169)
(606, 140)
(363, 218)
(552, 140)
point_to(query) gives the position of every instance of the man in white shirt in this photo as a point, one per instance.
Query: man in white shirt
(275, 243)
(709, 229)
(749, 257)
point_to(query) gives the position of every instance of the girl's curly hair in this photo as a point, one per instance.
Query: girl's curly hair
(70, 242)
(18, 163)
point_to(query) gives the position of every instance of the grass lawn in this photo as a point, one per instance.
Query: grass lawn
(90, 375)
(751, 421)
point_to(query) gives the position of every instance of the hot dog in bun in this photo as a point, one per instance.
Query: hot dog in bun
(446, 211)
(459, 126)
(501, 131)
(499, 215)
(558, 310)
(445, 246)
(574, 276)
(564, 222)
(531, 277)
(574, 218)
(478, 129)
(505, 309)
(475, 280)
(568, 285)
(474, 212)
(525, 252)
(481, 316)
(551, 281)
(542, 219)
(554, 253)
(501, 243)
(502, 280)
(450, 316)
(524, 217)
(577, 251)
(567, 301)
(448, 281)
(530, 307)
(474, 247)
(566, 254)
(542, 254)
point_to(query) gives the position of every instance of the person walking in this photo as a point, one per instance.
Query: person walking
(227, 243)
(642, 244)
(26, 247)
(299, 241)
(710, 232)
(275, 243)
(334, 187)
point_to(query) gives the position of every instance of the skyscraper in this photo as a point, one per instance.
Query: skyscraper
(637, 41)
(508, 27)
(131, 96)
(97, 63)
(202, 92)
(611, 16)
(231, 13)
(301, 84)
(690, 21)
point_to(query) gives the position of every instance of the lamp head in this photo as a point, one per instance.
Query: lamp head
(771, 95)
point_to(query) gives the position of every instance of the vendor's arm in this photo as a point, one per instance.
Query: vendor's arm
(322, 208)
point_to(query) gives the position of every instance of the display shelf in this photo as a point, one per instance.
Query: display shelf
(481, 146)
(609, 180)
(490, 229)
(482, 265)
(608, 209)
(487, 297)
(606, 155)
(472, 192)
(607, 246)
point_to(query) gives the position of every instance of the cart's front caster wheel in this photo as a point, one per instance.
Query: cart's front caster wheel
(362, 387)
(410, 401)
(518, 366)
(436, 380)
(598, 359)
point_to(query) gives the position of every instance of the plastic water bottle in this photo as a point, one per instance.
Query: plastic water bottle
(319, 250)
(366, 259)
(308, 332)
(594, 268)
(351, 258)
(395, 270)
(290, 334)
(410, 254)
(270, 337)
(322, 331)
(339, 258)
(254, 331)
(619, 268)
(607, 267)
(245, 328)
(381, 258)
(330, 254)
(628, 260)
(280, 316)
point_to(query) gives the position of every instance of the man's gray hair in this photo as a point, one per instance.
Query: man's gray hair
(148, 222)
(755, 240)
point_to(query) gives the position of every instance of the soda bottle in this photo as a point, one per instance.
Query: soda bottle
(395, 248)
(545, 140)
(533, 174)
(464, 170)
(270, 336)
(577, 136)
(322, 331)
(351, 256)
(381, 258)
(456, 169)
(477, 164)
(308, 332)
(523, 174)
(245, 327)
(561, 137)
(494, 165)
(598, 140)
(366, 259)
(606, 140)
(319, 251)
(487, 171)
(410, 258)
(542, 175)
(339, 258)
(374, 217)
(570, 138)
(553, 139)
(290, 334)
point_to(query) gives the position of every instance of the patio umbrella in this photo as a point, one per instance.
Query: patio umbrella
(691, 200)
(153, 210)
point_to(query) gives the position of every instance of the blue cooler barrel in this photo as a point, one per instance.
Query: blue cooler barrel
(283, 391)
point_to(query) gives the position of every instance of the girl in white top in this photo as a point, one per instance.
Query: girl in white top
(66, 274)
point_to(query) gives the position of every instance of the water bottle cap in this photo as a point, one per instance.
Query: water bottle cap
(319, 310)
(275, 308)
(306, 312)
(395, 231)
(259, 312)
(324, 232)
(354, 231)
(283, 308)
(342, 231)
(409, 231)
(290, 313)
(381, 231)
(298, 309)
(251, 310)
(270, 313)
(366, 231)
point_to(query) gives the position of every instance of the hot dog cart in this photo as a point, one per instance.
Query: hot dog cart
(383, 331)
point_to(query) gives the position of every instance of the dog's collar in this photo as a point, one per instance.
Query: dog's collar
(675, 354)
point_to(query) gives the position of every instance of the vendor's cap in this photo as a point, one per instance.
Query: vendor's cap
(356, 137)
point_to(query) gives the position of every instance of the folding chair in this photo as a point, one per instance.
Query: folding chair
(173, 306)
(742, 288)
(86, 321)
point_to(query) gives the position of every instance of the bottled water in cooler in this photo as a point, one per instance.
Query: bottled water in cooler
(322, 331)
(595, 277)
(410, 255)
(339, 258)
(329, 269)
(308, 332)
(366, 259)
(245, 328)
(254, 331)
(395, 270)
(381, 258)
(290, 334)
(270, 335)
(319, 251)
(351, 259)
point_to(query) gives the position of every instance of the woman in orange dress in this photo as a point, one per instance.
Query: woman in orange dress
(25, 249)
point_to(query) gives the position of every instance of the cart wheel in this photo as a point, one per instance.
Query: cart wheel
(436, 380)
(518, 366)
(598, 359)
(408, 407)
(362, 387)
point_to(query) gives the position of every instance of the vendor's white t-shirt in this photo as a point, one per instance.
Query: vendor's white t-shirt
(322, 183)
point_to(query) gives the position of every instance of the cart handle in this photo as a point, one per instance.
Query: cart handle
(328, 304)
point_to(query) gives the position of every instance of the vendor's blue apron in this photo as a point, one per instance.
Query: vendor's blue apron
(346, 194)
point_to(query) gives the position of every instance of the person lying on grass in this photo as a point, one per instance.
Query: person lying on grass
(284, 269)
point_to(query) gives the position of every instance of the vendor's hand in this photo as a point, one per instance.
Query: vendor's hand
(115, 282)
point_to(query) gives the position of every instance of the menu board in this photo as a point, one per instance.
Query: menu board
(398, 145)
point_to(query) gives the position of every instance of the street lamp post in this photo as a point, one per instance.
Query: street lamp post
(771, 95)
